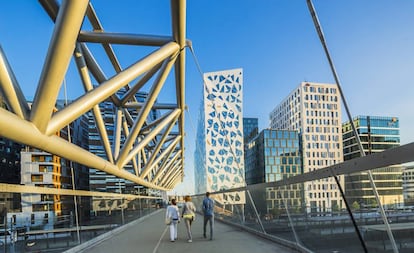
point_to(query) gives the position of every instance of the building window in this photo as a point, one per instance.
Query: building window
(37, 178)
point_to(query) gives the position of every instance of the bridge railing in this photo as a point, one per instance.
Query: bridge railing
(341, 224)
(46, 231)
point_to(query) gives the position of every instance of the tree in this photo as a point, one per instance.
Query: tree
(355, 206)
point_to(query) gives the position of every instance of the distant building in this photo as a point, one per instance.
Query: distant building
(219, 155)
(250, 128)
(29, 166)
(100, 180)
(250, 131)
(39, 168)
(9, 172)
(271, 156)
(377, 133)
(42, 169)
(408, 186)
(314, 110)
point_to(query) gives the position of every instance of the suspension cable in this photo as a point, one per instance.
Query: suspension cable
(332, 66)
(75, 202)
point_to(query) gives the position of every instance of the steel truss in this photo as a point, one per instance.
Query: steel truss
(155, 149)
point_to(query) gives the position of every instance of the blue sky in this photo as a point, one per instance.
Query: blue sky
(274, 41)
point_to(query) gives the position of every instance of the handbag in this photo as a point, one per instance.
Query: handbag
(189, 216)
(167, 221)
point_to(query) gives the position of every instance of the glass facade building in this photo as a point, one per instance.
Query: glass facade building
(100, 180)
(250, 128)
(376, 133)
(271, 156)
(219, 148)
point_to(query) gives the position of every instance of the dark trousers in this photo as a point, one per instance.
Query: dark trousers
(209, 219)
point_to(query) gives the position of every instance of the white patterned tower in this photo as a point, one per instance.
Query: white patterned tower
(219, 152)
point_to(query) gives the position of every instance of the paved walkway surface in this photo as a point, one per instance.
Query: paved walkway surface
(151, 235)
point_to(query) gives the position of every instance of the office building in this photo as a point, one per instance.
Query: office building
(377, 133)
(250, 128)
(101, 181)
(314, 110)
(219, 151)
(271, 156)
(408, 186)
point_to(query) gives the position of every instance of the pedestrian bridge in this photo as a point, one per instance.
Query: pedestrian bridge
(149, 234)
(144, 151)
(139, 225)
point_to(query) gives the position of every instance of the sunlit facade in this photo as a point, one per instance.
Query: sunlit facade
(377, 133)
(314, 110)
(408, 186)
(219, 151)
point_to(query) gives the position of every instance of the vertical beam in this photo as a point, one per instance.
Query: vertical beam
(62, 45)
(178, 8)
(361, 149)
(117, 133)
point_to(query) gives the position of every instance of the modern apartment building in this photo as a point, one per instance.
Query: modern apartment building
(376, 133)
(314, 110)
(42, 169)
(271, 156)
(219, 148)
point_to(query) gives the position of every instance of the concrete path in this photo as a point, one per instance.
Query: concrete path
(151, 235)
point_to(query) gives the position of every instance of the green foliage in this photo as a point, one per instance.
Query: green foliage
(355, 206)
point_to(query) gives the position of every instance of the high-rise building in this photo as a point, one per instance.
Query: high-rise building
(102, 181)
(250, 128)
(9, 172)
(271, 156)
(314, 110)
(78, 134)
(250, 131)
(376, 134)
(9, 157)
(219, 155)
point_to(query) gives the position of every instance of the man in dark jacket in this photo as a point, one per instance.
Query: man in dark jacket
(208, 211)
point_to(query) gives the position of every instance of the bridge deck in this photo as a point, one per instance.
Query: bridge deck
(149, 234)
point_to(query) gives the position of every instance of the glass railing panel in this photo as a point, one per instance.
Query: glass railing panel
(361, 197)
(50, 223)
(318, 217)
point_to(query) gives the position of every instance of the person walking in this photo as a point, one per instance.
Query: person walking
(173, 215)
(188, 213)
(208, 211)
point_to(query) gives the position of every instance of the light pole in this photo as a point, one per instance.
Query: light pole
(122, 202)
